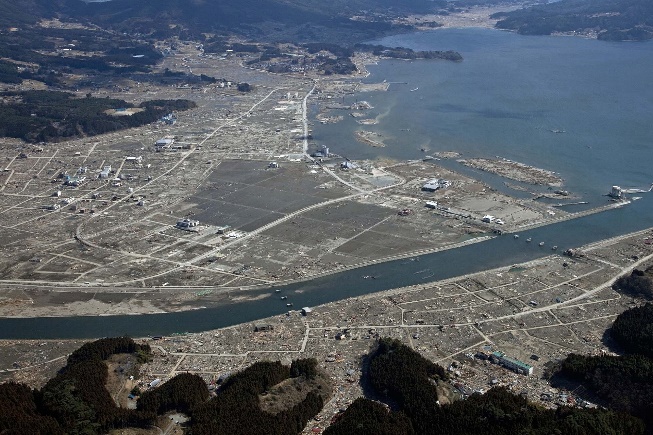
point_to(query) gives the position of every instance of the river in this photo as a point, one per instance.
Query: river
(506, 98)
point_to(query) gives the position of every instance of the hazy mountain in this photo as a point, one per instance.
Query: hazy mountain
(611, 19)
(309, 20)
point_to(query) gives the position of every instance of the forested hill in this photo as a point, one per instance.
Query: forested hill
(612, 20)
(289, 20)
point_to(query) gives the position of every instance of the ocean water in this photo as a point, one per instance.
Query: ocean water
(507, 97)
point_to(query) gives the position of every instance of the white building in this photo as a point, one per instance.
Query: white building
(436, 184)
(106, 171)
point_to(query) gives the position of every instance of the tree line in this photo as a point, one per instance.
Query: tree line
(76, 400)
(408, 380)
(624, 383)
(637, 284)
(44, 116)
(615, 20)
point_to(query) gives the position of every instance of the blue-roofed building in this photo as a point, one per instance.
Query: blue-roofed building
(512, 363)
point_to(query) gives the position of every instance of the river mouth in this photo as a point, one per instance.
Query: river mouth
(573, 106)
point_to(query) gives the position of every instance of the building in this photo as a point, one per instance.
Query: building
(306, 311)
(616, 192)
(106, 171)
(74, 181)
(186, 224)
(436, 184)
(164, 143)
(511, 363)
(169, 119)
(431, 204)
(223, 229)
(260, 327)
(488, 218)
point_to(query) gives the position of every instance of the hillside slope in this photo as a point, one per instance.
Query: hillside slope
(612, 20)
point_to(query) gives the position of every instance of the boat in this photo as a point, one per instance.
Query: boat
(413, 90)
(289, 304)
(516, 236)
(541, 243)
(554, 247)
(529, 239)
(277, 291)
(283, 298)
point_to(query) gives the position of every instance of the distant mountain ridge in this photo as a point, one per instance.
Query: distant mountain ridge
(291, 20)
(611, 20)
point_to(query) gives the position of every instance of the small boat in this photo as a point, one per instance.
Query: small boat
(541, 243)
(277, 291)
(289, 304)
(413, 90)
(529, 239)
(516, 236)
(554, 247)
(283, 298)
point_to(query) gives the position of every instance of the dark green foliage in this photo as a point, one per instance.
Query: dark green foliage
(334, 49)
(410, 380)
(59, 115)
(245, 48)
(19, 413)
(395, 368)
(96, 50)
(337, 66)
(625, 383)
(305, 20)
(366, 417)
(407, 53)
(405, 376)
(235, 410)
(9, 72)
(501, 412)
(304, 367)
(633, 329)
(103, 348)
(77, 397)
(622, 20)
(638, 284)
(182, 393)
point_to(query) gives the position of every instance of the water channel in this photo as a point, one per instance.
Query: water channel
(504, 99)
